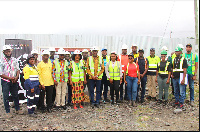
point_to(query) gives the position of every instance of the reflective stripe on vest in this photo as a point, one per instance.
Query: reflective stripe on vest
(181, 66)
(153, 63)
(91, 64)
(114, 73)
(78, 72)
(128, 66)
(144, 60)
(57, 72)
(193, 62)
(165, 71)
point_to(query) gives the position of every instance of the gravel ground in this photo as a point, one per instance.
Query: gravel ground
(119, 117)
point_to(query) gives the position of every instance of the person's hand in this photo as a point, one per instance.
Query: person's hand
(120, 80)
(96, 77)
(167, 82)
(194, 78)
(138, 82)
(32, 90)
(93, 77)
(15, 79)
(43, 87)
(156, 80)
(56, 83)
(111, 81)
(40, 86)
(125, 82)
(85, 82)
(183, 82)
(141, 76)
(172, 76)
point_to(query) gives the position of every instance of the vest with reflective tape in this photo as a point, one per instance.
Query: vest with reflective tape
(128, 66)
(144, 60)
(114, 73)
(153, 63)
(57, 72)
(78, 72)
(91, 64)
(165, 71)
(33, 73)
(107, 59)
(193, 62)
(181, 65)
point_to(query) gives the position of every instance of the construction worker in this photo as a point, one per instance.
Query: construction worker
(132, 79)
(77, 76)
(9, 73)
(113, 72)
(123, 58)
(179, 66)
(163, 74)
(60, 75)
(151, 74)
(167, 57)
(69, 101)
(35, 53)
(192, 61)
(143, 66)
(134, 51)
(46, 82)
(85, 57)
(52, 53)
(104, 80)
(31, 85)
(95, 69)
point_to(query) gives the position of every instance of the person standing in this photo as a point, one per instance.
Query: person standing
(179, 66)
(60, 75)
(123, 58)
(151, 74)
(163, 74)
(31, 85)
(134, 51)
(35, 53)
(113, 72)
(77, 77)
(132, 79)
(104, 81)
(143, 66)
(95, 69)
(9, 73)
(46, 82)
(192, 61)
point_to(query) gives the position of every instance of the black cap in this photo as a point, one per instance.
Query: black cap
(130, 54)
(152, 49)
(140, 50)
(189, 45)
(30, 56)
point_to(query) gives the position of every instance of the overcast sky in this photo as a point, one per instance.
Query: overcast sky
(99, 17)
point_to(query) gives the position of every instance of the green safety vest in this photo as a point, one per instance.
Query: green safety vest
(165, 71)
(114, 73)
(57, 72)
(193, 62)
(128, 66)
(181, 66)
(91, 65)
(107, 58)
(153, 63)
(78, 72)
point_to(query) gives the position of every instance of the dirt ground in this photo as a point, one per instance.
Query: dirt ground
(148, 116)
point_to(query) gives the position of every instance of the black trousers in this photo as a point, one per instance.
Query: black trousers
(121, 90)
(114, 87)
(53, 94)
(49, 91)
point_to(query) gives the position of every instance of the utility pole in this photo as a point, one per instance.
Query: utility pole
(196, 31)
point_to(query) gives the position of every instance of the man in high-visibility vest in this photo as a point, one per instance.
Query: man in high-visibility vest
(179, 70)
(134, 51)
(104, 80)
(123, 58)
(60, 75)
(151, 74)
(95, 69)
(192, 61)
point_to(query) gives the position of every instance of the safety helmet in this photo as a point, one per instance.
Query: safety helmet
(163, 52)
(134, 45)
(114, 52)
(34, 51)
(67, 53)
(124, 46)
(84, 50)
(95, 48)
(164, 48)
(5, 47)
(52, 49)
(77, 52)
(61, 51)
(181, 46)
(46, 52)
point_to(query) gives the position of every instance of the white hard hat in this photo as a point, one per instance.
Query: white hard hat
(34, 51)
(181, 46)
(77, 52)
(124, 46)
(164, 48)
(95, 48)
(134, 45)
(52, 49)
(46, 52)
(113, 52)
(84, 50)
(67, 53)
(61, 51)
(5, 47)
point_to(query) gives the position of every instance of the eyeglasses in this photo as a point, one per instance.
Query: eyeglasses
(130, 58)
(162, 56)
(61, 55)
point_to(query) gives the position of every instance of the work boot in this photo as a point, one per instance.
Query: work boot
(149, 98)
(112, 102)
(192, 103)
(142, 100)
(154, 98)
(159, 101)
(19, 112)
(129, 102)
(134, 104)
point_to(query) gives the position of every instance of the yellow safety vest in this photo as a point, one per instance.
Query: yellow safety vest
(165, 71)
(91, 64)
(31, 73)
(153, 63)
(114, 73)
(57, 72)
(193, 62)
(78, 72)
(181, 65)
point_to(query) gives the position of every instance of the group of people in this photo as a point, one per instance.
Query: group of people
(52, 77)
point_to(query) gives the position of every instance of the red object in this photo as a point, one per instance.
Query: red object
(124, 61)
(132, 71)
(75, 107)
(81, 106)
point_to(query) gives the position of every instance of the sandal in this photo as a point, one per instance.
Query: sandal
(81, 106)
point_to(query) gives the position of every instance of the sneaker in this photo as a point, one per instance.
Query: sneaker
(49, 110)
(81, 106)
(75, 107)
(9, 115)
(175, 104)
(149, 98)
(154, 98)
(106, 100)
(97, 105)
(134, 104)
(159, 101)
(112, 102)
(92, 105)
(64, 107)
(181, 106)
(19, 112)
(129, 102)
(192, 103)
(33, 115)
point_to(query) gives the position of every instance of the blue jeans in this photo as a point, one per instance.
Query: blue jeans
(13, 89)
(98, 85)
(191, 86)
(132, 87)
(179, 91)
(143, 85)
